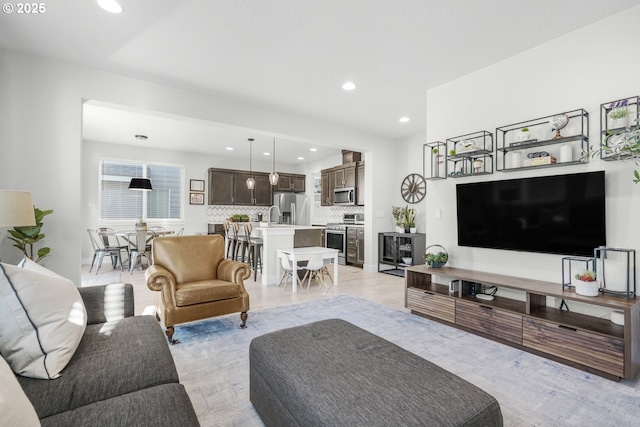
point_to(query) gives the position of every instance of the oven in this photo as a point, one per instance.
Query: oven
(335, 237)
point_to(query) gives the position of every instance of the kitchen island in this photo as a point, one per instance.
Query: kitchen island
(282, 236)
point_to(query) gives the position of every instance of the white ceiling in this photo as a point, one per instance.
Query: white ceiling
(294, 55)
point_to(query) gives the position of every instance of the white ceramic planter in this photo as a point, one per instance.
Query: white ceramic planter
(588, 289)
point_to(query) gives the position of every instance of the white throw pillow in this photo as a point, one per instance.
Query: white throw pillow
(15, 407)
(43, 320)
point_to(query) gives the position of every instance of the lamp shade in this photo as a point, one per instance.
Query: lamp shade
(140, 184)
(16, 209)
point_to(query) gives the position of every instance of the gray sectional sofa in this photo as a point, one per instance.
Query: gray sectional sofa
(122, 373)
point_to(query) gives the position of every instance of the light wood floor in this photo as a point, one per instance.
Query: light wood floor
(377, 287)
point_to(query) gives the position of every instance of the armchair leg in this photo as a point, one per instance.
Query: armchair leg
(169, 331)
(243, 317)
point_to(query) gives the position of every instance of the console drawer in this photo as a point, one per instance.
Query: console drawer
(431, 304)
(601, 352)
(491, 321)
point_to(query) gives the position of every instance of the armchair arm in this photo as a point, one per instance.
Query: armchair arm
(233, 271)
(108, 302)
(159, 277)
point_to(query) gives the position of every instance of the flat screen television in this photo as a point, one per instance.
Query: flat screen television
(560, 214)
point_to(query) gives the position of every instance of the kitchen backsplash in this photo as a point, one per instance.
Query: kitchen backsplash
(216, 214)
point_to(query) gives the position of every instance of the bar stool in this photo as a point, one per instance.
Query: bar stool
(231, 239)
(254, 247)
(241, 243)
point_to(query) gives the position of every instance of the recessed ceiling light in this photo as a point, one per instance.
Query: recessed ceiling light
(313, 149)
(110, 6)
(229, 148)
(300, 158)
(348, 86)
(404, 119)
(267, 154)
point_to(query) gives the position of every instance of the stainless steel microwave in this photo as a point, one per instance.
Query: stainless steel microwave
(344, 196)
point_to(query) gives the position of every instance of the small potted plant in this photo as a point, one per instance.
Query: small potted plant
(436, 256)
(523, 135)
(141, 224)
(618, 117)
(398, 216)
(409, 219)
(587, 284)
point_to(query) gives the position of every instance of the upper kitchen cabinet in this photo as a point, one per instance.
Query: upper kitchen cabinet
(360, 184)
(229, 187)
(220, 187)
(291, 182)
(326, 188)
(346, 175)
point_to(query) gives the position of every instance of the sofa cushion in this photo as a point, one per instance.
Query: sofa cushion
(15, 408)
(43, 319)
(112, 359)
(205, 291)
(163, 405)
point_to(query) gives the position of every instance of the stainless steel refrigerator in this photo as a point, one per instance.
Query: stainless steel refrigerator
(294, 209)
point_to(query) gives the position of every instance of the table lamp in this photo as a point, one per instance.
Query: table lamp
(16, 209)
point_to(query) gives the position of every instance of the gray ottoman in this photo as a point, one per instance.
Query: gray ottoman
(332, 373)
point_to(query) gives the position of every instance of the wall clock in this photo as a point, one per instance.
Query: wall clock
(413, 188)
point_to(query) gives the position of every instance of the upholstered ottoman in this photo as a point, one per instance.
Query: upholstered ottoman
(333, 373)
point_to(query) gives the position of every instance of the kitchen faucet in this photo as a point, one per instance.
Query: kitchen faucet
(279, 213)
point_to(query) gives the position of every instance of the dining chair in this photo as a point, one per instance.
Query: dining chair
(325, 269)
(254, 248)
(100, 251)
(109, 243)
(314, 271)
(138, 249)
(287, 269)
(179, 232)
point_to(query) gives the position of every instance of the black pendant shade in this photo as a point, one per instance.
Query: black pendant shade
(140, 184)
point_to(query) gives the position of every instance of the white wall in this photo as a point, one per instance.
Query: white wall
(581, 70)
(41, 136)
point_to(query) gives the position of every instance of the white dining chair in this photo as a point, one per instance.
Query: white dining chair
(314, 271)
(287, 269)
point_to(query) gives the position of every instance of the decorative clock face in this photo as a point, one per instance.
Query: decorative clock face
(413, 188)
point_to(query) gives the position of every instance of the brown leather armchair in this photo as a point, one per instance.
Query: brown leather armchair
(195, 281)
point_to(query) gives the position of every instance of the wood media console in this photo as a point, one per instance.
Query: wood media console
(519, 316)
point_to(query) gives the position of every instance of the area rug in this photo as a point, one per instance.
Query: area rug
(213, 363)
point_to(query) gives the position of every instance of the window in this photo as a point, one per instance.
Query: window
(117, 202)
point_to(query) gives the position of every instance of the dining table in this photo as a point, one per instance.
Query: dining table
(305, 254)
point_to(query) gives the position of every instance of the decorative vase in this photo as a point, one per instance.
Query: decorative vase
(407, 229)
(588, 289)
(477, 165)
(399, 229)
(141, 226)
(523, 136)
(516, 159)
(413, 230)
(566, 153)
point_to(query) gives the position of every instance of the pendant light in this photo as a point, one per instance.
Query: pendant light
(140, 184)
(273, 176)
(250, 181)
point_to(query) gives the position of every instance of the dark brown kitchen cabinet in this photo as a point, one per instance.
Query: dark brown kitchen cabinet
(262, 193)
(291, 182)
(355, 246)
(220, 187)
(229, 187)
(345, 176)
(360, 184)
(326, 190)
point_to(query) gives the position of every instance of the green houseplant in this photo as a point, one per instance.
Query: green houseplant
(409, 218)
(25, 237)
(436, 256)
(398, 215)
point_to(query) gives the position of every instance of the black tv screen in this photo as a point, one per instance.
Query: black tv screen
(561, 214)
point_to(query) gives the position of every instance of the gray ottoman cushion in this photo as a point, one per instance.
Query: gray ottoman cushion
(332, 373)
(165, 405)
(112, 359)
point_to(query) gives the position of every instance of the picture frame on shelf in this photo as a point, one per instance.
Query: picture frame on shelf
(196, 198)
(196, 185)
